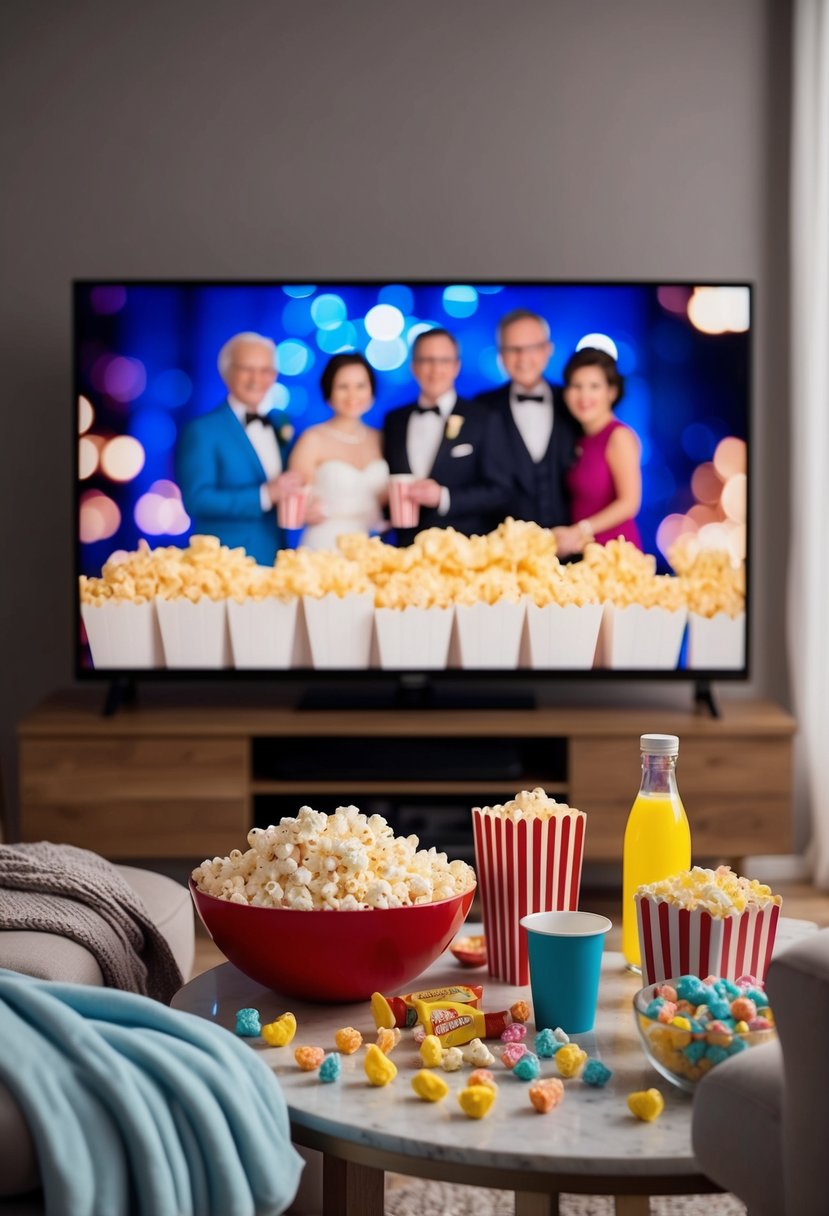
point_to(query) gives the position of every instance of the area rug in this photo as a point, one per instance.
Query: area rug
(414, 1197)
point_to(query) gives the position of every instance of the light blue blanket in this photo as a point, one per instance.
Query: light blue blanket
(135, 1108)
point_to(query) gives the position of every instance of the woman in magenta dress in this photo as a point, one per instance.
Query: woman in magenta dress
(605, 483)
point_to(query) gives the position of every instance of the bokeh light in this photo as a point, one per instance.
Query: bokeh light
(418, 328)
(488, 289)
(161, 515)
(165, 488)
(297, 319)
(672, 527)
(154, 430)
(293, 357)
(335, 341)
(299, 292)
(698, 441)
(280, 396)
(599, 342)
(106, 299)
(86, 415)
(706, 485)
(87, 457)
(730, 457)
(99, 517)
(172, 388)
(720, 310)
(734, 498)
(122, 458)
(328, 311)
(384, 322)
(385, 356)
(674, 299)
(460, 300)
(124, 378)
(398, 295)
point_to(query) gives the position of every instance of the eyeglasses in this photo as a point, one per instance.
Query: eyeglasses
(437, 360)
(521, 350)
(253, 371)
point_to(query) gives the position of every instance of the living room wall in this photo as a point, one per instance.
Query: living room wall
(466, 139)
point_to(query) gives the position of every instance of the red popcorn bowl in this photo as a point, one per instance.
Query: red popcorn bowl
(331, 956)
(470, 951)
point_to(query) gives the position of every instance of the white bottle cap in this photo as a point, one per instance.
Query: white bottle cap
(659, 745)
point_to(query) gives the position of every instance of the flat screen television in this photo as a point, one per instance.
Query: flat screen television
(351, 478)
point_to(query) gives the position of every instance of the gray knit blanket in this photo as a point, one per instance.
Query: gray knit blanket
(51, 888)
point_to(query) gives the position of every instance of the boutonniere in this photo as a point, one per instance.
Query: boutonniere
(453, 426)
(286, 432)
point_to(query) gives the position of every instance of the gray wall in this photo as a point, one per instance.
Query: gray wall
(452, 137)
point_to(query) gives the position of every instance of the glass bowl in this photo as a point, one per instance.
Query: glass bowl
(683, 1056)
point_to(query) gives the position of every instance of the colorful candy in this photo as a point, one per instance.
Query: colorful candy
(419, 1034)
(546, 1094)
(514, 1033)
(281, 1031)
(477, 1053)
(520, 1011)
(476, 1100)
(595, 1073)
(452, 1059)
(512, 1053)
(546, 1044)
(570, 1059)
(330, 1068)
(527, 1068)
(348, 1040)
(431, 1051)
(429, 1086)
(387, 1040)
(647, 1104)
(482, 1076)
(309, 1058)
(247, 1023)
(379, 1069)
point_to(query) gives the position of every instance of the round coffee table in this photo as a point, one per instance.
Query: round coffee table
(590, 1144)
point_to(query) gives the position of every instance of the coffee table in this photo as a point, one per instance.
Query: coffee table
(590, 1144)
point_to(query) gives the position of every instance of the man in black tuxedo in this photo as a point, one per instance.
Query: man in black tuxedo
(534, 431)
(443, 440)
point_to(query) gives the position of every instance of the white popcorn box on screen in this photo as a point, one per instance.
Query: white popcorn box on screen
(262, 632)
(640, 638)
(487, 635)
(123, 635)
(340, 630)
(195, 635)
(682, 941)
(717, 642)
(413, 637)
(560, 636)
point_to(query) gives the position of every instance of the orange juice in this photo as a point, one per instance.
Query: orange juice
(657, 836)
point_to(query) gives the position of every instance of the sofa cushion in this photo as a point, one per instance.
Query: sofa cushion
(736, 1127)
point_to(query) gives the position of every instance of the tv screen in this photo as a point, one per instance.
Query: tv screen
(412, 476)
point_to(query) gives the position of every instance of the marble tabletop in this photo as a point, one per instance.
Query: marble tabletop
(591, 1133)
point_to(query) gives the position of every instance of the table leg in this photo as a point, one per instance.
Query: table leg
(632, 1205)
(531, 1203)
(351, 1190)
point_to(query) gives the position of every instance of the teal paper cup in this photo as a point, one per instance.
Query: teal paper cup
(565, 953)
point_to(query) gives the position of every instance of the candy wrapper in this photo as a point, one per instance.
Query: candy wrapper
(525, 863)
(123, 635)
(683, 941)
(195, 635)
(716, 642)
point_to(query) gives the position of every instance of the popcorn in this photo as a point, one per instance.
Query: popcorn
(570, 1059)
(379, 1069)
(647, 1104)
(387, 1039)
(309, 1058)
(452, 1058)
(719, 892)
(530, 804)
(477, 1053)
(348, 1040)
(482, 1076)
(476, 1100)
(431, 1051)
(514, 1033)
(346, 861)
(528, 1067)
(546, 1094)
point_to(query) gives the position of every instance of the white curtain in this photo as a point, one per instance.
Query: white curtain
(808, 587)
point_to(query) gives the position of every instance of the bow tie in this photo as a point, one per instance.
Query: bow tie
(529, 397)
(428, 409)
(249, 418)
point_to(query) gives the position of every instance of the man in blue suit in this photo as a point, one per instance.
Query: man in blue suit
(230, 462)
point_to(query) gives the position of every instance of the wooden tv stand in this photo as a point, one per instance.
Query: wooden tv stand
(175, 778)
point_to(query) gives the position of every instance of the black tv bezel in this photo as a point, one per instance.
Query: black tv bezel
(392, 676)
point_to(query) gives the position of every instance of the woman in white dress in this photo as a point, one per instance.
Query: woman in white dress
(341, 459)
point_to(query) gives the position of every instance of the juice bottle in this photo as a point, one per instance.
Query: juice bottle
(657, 836)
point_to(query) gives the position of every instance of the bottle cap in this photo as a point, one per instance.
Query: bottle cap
(659, 745)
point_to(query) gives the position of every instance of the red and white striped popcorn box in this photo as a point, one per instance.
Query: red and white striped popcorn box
(340, 629)
(404, 512)
(682, 941)
(524, 865)
(560, 636)
(290, 512)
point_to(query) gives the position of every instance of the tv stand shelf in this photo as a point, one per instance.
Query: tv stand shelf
(176, 777)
